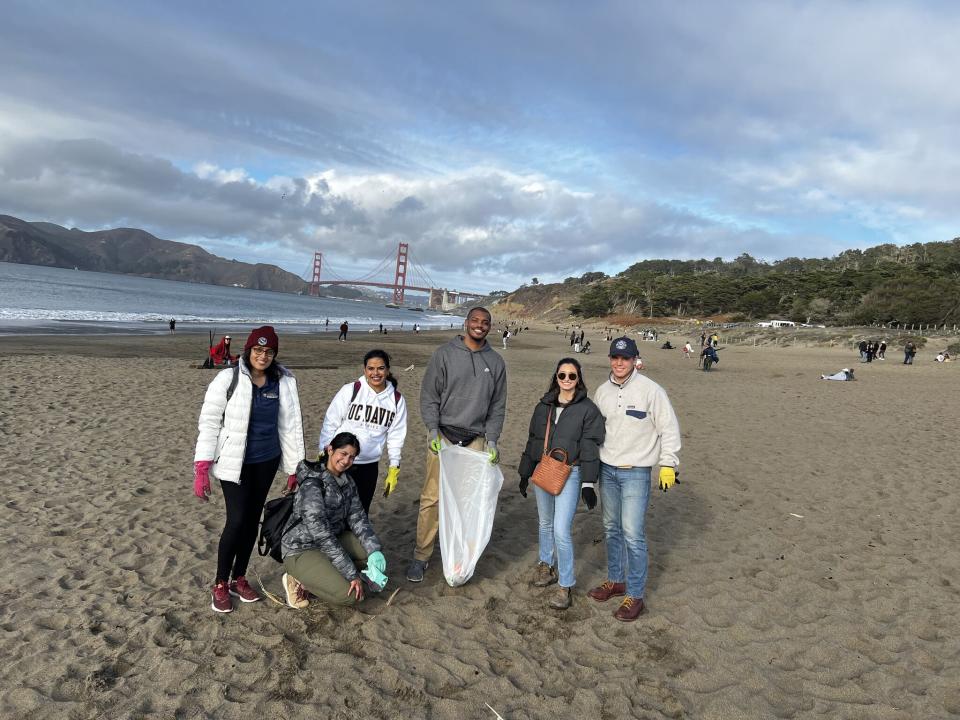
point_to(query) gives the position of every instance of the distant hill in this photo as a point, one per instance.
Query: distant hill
(136, 252)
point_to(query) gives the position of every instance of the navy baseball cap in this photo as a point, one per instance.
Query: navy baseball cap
(624, 347)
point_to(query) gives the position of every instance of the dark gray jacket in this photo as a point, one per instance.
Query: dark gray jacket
(580, 431)
(465, 389)
(324, 507)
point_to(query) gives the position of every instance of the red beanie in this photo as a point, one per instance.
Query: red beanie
(263, 337)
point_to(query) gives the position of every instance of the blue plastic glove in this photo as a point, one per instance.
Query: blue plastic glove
(377, 560)
(376, 580)
(493, 452)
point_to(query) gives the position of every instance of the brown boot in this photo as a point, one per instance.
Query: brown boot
(544, 575)
(604, 592)
(629, 609)
(562, 600)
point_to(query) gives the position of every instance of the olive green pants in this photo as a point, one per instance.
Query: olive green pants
(318, 574)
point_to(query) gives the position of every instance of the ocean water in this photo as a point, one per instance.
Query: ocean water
(43, 299)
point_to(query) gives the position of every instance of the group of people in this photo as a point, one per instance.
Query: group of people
(250, 426)
(871, 350)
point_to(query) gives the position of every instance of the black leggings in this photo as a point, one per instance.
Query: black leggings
(244, 507)
(365, 478)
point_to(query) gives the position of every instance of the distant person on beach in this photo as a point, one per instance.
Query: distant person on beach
(573, 337)
(463, 401)
(844, 375)
(882, 351)
(862, 347)
(249, 425)
(326, 324)
(220, 353)
(381, 329)
(909, 351)
(373, 409)
(641, 431)
(708, 356)
(344, 327)
(173, 325)
(667, 346)
(586, 348)
(569, 421)
(687, 350)
(506, 336)
(329, 547)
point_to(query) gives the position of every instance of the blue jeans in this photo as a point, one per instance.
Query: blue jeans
(556, 525)
(625, 494)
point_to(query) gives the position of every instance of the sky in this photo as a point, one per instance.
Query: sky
(502, 140)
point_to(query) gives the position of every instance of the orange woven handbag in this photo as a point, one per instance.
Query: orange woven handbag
(551, 472)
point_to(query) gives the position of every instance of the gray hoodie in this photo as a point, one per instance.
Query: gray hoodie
(465, 389)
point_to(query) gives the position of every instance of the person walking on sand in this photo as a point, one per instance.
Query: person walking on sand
(687, 349)
(173, 325)
(641, 431)
(909, 351)
(463, 401)
(329, 547)
(569, 421)
(573, 337)
(882, 351)
(250, 424)
(373, 409)
(344, 327)
(506, 336)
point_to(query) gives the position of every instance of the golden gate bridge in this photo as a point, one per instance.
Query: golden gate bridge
(420, 281)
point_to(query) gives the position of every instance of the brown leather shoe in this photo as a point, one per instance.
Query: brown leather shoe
(604, 592)
(544, 575)
(562, 600)
(629, 609)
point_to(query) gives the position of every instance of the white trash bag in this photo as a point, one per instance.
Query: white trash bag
(469, 486)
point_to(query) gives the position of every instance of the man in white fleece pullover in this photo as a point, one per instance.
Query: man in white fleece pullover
(641, 431)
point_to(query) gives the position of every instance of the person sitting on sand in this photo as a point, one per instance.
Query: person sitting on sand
(586, 348)
(242, 441)
(329, 547)
(220, 353)
(666, 346)
(844, 375)
(565, 419)
(943, 356)
(374, 410)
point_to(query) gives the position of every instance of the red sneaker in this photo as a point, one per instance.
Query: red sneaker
(241, 588)
(221, 598)
(604, 592)
(629, 609)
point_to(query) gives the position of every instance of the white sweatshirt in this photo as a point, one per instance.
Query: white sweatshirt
(375, 418)
(642, 428)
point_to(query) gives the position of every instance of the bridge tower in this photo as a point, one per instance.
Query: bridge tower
(400, 277)
(315, 282)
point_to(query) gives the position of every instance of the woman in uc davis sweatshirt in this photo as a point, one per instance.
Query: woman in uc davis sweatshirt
(373, 409)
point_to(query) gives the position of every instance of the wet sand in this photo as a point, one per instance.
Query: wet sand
(806, 566)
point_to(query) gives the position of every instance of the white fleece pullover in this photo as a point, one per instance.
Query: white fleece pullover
(375, 418)
(642, 428)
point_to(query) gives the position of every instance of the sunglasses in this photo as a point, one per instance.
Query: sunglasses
(263, 351)
(564, 376)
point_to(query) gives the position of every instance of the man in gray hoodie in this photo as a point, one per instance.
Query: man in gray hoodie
(463, 400)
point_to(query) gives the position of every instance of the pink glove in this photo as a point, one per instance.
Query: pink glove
(292, 483)
(201, 479)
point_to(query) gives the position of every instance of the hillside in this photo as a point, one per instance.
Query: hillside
(886, 285)
(136, 252)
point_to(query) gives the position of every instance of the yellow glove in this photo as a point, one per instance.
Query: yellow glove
(668, 476)
(390, 482)
(435, 444)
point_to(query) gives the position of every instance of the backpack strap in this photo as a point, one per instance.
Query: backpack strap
(233, 381)
(356, 390)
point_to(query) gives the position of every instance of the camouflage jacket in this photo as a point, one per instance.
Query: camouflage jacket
(326, 506)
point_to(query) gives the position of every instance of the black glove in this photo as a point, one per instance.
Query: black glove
(588, 495)
(524, 482)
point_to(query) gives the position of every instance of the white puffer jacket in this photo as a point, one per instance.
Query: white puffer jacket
(223, 425)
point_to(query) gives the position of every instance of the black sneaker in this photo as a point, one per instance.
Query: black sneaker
(416, 569)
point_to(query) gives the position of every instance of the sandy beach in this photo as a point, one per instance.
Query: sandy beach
(808, 564)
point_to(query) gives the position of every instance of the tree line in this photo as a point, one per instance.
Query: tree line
(917, 283)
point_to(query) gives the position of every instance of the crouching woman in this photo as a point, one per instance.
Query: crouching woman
(329, 547)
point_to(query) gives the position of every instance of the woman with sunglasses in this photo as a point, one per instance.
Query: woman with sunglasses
(249, 424)
(577, 427)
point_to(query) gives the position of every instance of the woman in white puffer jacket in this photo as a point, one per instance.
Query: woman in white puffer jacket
(249, 424)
